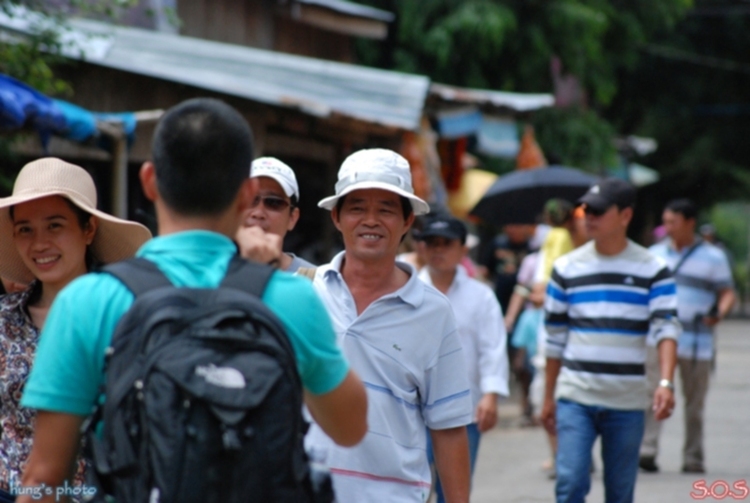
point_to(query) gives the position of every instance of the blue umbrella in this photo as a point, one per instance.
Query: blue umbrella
(519, 197)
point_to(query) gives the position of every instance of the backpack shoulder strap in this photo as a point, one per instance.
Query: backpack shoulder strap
(138, 274)
(247, 276)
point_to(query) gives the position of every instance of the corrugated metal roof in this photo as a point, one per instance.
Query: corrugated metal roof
(353, 9)
(515, 101)
(317, 87)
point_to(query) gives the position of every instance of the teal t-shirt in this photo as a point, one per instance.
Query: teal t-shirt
(68, 370)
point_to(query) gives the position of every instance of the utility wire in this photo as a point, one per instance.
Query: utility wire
(696, 59)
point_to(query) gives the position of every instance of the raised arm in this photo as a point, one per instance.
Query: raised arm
(342, 412)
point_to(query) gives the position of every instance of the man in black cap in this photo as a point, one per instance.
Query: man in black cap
(478, 318)
(603, 301)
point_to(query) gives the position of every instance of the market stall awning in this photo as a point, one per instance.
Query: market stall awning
(316, 87)
(24, 107)
(515, 102)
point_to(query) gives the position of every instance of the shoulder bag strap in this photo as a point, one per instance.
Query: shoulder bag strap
(679, 264)
(247, 276)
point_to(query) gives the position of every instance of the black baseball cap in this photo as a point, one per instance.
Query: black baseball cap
(609, 192)
(445, 226)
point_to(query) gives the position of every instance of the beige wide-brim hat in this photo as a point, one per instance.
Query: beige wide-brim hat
(115, 239)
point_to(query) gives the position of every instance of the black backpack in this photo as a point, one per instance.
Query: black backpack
(203, 399)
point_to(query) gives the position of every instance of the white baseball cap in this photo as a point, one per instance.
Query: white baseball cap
(376, 168)
(274, 168)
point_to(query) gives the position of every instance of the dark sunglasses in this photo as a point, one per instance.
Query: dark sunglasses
(594, 212)
(272, 203)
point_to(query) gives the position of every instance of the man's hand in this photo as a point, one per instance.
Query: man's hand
(711, 321)
(259, 246)
(549, 409)
(537, 296)
(487, 412)
(663, 403)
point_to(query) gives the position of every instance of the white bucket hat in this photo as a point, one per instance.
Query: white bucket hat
(274, 168)
(376, 168)
(115, 239)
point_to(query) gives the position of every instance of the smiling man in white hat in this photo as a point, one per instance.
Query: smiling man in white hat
(400, 336)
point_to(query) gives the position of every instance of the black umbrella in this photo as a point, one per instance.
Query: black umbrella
(519, 197)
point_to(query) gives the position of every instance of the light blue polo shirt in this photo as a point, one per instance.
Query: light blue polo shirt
(699, 279)
(68, 370)
(406, 349)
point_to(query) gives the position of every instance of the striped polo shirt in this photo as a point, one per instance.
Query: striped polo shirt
(703, 274)
(406, 349)
(599, 311)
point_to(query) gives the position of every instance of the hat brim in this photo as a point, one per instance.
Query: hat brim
(288, 189)
(419, 206)
(438, 233)
(115, 239)
(596, 202)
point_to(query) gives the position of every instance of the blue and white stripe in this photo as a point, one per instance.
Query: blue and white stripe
(600, 310)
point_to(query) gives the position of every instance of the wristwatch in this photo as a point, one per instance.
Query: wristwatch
(666, 383)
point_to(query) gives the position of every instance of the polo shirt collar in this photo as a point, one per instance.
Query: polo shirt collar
(458, 280)
(411, 293)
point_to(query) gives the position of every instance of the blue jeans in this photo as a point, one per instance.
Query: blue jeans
(578, 426)
(474, 436)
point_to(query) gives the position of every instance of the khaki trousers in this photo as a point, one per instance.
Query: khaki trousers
(694, 376)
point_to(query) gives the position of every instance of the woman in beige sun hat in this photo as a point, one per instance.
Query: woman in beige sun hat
(50, 233)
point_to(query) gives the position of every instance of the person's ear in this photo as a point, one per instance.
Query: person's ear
(626, 216)
(90, 231)
(408, 223)
(293, 218)
(335, 218)
(147, 176)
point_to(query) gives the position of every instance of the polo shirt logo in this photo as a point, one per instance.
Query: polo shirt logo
(396, 347)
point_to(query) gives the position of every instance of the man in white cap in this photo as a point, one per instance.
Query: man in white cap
(274, 209)
(400, 335)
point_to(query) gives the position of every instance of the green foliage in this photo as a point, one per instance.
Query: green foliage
(439, 34)
(575, 137)
(689, 92)
(508, 44)
(32, 58)
(731, 221)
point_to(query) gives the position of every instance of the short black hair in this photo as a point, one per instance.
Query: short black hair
(684, 207)
(202, 150)
(406, 206)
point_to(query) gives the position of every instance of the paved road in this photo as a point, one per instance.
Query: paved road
(510, 458)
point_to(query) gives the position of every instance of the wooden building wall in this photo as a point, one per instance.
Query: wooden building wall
(261, 24)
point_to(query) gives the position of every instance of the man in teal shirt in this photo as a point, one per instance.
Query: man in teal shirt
(198, 184)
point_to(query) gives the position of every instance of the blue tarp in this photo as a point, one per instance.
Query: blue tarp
(22, 106)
